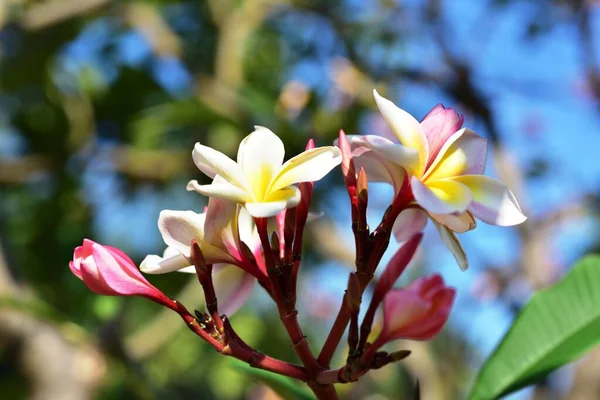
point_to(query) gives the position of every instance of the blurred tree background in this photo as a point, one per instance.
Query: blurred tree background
(102, 101)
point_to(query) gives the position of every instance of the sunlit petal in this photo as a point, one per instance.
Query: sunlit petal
(213, 162)
(260, 155)
(178, 228)
(154, 264)
(441, 197)
(465, 152)
(493, 202)
(277, 202)
(308, 166)
(224, 190)
(406, 128)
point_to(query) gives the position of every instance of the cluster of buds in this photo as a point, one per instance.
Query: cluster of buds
(252, 230)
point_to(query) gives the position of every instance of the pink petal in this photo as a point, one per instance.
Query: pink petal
(464, 152)
(233, 287)
(119, 278)
(439, 124)
(408, 223)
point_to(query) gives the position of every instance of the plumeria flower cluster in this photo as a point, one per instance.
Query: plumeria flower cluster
(253, 226)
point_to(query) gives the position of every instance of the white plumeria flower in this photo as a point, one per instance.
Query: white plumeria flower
(260, 180)
(219, 232)
(233, 285)
(445, 164)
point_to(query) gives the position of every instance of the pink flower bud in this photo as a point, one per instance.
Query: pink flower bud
(109, 271)
(416, 312)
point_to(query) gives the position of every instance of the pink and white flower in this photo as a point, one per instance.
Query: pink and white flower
(445, 164)
(222, 232)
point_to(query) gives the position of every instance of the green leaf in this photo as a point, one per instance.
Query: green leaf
(557, 326)
(286, 387)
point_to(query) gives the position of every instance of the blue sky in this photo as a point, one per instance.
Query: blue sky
(535, 83)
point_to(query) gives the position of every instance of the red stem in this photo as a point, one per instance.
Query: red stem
(379, 242)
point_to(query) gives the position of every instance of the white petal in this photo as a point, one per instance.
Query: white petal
(453, 244)
(441, 197)
(178, 228)
(308, 166)
(410, 222)
(398, 154)
(247, 229)
(261, 151)
(154, 264)
(406, 128)
(379, 169)
(493, 202)
(216, 163)
(224, 190)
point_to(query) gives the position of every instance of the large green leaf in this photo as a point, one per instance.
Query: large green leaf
(558, 325)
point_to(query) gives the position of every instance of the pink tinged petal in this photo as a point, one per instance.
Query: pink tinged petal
(223, 190)
(441, 197)
(178, 228)
(406, 128)
(308, 166)
(459, 223)
(379, 169)
(213, 162)
(397, 154)
(464, 152)
(75, 265)
(435, 322)
(439, 124)
(410, 222)
(493, 202)
(453, 244)
(154, 264)
(233, 287)
(401, 308)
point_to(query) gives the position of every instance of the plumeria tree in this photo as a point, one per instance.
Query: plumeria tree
(252, 231)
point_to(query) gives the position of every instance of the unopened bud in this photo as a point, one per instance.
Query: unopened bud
(362, 190)
(202, 269)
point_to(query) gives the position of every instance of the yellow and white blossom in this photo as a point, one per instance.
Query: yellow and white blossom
(445, 164)
(260, 180)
